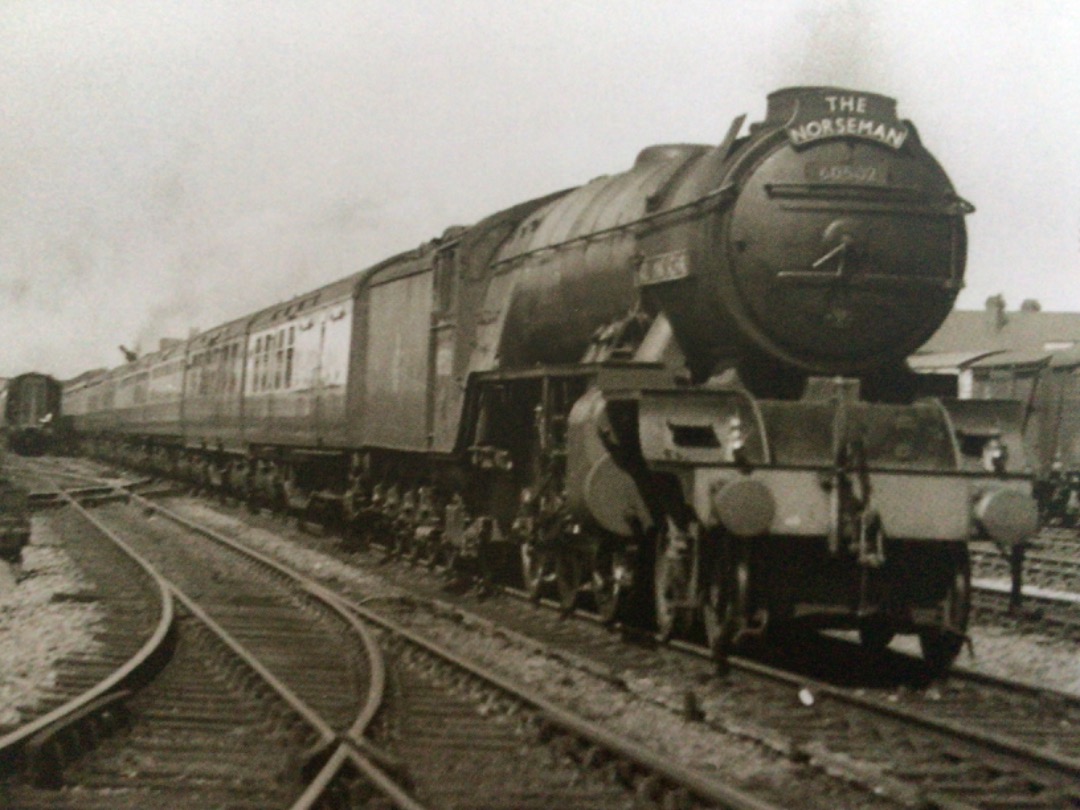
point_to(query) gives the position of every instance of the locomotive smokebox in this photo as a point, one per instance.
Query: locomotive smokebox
(839, 246)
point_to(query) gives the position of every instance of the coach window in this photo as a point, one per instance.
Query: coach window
(234, 371)
(264, 380)
(204, 373)
(279, 359)
(256, 365)
(221, 355)
(289, 357)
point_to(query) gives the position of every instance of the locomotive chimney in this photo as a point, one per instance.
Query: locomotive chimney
(995, 312)
(830, 101)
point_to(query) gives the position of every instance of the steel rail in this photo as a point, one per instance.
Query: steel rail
(1000, 743)
(11, 743)
(350, 746)
(701, 787)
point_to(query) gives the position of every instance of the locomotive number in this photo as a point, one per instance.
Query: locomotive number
(664, 267)
(845, 173)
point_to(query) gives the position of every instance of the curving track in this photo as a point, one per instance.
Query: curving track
(225, 721)
(469, 737)
(137, 618)
(461, 735)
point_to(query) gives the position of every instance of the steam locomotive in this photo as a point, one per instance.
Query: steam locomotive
(681, 390)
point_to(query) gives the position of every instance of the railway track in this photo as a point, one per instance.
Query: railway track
(468, 737)
(971, 741)
(224, 722)
(1052, 562)
(136, 617)
(1051, 591)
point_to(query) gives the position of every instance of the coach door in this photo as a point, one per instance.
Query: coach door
(445, 388)
(335, 332)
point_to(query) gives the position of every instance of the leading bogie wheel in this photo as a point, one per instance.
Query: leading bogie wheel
(610, 580)
(568, 577)
(671, 585)
(875, 634)
(941, 645)
(726, 602)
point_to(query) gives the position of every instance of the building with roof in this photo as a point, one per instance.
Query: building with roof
(1029, 356)
(994, 328)
(997, 353)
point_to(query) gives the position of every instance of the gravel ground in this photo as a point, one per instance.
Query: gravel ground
(1040, 660)
(37, 630)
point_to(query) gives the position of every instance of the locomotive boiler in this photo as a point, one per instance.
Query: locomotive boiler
(679, 391)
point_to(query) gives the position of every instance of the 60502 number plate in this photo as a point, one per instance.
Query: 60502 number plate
(863, 174)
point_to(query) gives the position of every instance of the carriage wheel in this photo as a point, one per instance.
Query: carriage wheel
(569, 569)
(536, 569)
(941, 645)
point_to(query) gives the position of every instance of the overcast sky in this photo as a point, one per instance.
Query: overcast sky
(165, 166)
